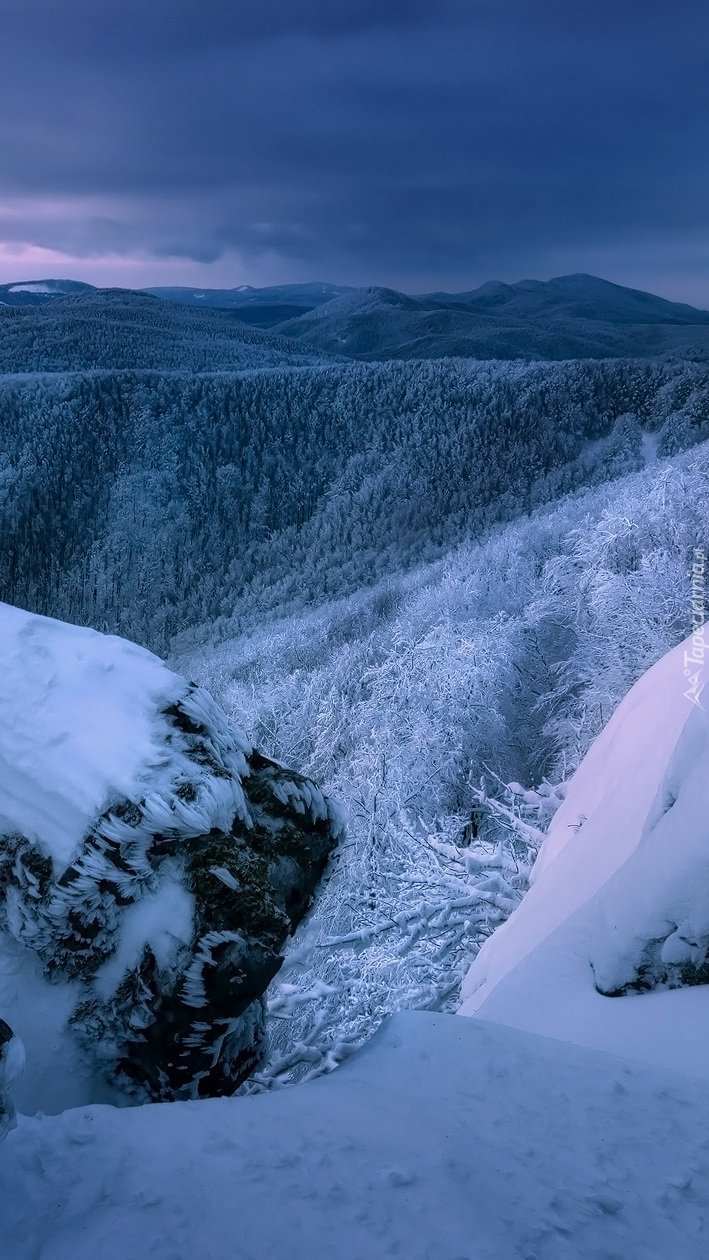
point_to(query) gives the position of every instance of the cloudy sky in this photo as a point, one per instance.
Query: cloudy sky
(417, 143)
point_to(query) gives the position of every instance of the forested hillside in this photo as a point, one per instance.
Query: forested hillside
(149, 503)
(116, 328)
(262, 307)
(577, 316)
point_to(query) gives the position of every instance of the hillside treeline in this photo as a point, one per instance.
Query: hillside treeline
(146, 503)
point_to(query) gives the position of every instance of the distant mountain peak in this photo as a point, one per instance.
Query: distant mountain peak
(39, 292)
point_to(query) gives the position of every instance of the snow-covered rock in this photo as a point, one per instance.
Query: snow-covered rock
(610, 946)
(151, 866)
(12, 1061)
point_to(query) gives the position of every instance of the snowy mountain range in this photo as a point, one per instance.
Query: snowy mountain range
(576, 316)
(570, 317)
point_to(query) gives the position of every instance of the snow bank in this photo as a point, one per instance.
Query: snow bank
(444, 1139)
(619, 902)
(151, 866)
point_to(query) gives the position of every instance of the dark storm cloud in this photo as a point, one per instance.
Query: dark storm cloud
(381, 140)
(113, 27)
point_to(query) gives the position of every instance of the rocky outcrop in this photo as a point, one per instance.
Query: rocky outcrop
(171, 912)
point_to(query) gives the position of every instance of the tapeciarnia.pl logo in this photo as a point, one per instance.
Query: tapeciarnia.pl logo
(694, 660)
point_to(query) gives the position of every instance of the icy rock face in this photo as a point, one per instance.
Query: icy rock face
(168, 908)
(12, 1058)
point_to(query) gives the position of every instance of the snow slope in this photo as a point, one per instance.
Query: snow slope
(444, 1139)
(619, 900)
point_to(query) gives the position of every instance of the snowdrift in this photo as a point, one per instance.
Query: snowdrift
(151, 866)
(610, 946)
(444, 1139)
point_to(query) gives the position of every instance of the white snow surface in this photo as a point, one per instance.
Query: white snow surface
(78, 726)
(164, 920)
(625, 864)
(57, 1075)
(444, 1139)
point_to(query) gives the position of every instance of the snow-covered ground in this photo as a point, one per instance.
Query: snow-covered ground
(619, 897)
(444, 1139)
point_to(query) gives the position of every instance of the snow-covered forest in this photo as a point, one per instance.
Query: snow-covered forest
(115, 328)
(151, 504)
